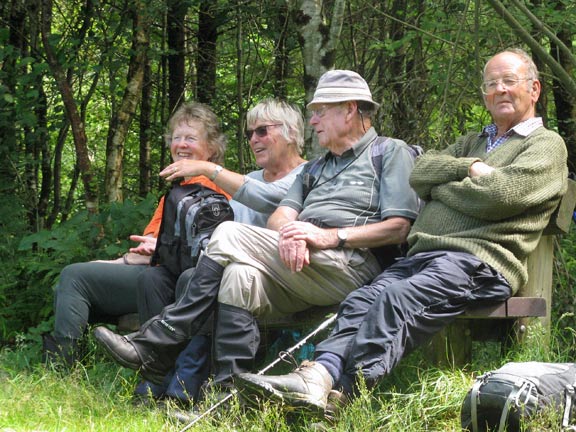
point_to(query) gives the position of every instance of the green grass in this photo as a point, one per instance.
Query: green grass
(96, 396)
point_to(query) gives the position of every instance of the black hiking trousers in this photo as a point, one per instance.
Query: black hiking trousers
(405, 306)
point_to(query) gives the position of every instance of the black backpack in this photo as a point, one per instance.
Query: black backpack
(191, 214)
(501, 400)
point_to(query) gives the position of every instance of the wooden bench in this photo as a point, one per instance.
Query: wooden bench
(506, 321)
(510, 321)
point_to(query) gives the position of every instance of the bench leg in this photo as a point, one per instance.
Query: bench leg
(451, 347)
(518, 332)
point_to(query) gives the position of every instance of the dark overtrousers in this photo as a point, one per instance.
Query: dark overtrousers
(161, 339)
(405, 306)
(156, 286)
(93, 292)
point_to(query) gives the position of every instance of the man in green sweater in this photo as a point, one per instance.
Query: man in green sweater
(488, 198)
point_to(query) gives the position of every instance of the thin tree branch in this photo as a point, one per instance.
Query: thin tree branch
(560, 73)
(541, 26)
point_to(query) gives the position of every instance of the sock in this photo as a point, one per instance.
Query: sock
(333, 363)
(348, 384)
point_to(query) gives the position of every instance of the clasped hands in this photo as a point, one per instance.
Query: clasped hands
(296, 240)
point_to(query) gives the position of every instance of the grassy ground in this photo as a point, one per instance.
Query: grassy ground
(97, 397)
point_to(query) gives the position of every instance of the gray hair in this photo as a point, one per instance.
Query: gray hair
(203, 114)
(367, 109)
(280, 112)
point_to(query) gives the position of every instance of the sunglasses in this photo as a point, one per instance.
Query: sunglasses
(261, 131)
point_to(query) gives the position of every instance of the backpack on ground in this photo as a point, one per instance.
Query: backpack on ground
(191, 214)
(503, 399)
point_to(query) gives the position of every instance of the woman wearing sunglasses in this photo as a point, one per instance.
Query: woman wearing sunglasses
(275, 131)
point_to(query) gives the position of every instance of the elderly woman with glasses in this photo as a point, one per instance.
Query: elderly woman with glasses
(101, 291)
(275, 131)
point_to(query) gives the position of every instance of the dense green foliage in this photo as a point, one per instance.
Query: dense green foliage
(422, 59)
(34, 263)
(564, 297)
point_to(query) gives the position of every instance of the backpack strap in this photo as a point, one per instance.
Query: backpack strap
(569, 394)
(474, 403)
(312, 168)
(309, 173)
(519, 386)
(377, 153)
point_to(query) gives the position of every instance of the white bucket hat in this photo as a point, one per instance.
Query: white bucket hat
(340, 86)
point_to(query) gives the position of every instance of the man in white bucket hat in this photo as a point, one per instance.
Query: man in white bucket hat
(319, 245)
(489, 197)
(341, 86)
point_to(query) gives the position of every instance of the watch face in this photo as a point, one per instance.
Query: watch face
(342, 236)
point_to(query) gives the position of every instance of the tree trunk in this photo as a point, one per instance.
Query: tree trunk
(145, 168)
(9, 149)
(121, 121)
(76, 123)
(176, 36)
(206, 60)
(281, 59)
(318, 40)
(240, 88)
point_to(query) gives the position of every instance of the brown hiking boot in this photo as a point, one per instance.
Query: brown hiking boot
(337, 400)
(306, 388)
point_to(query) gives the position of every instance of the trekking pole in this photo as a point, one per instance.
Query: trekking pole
(281, 356)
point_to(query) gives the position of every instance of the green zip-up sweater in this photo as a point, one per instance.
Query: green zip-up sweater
(497, 217)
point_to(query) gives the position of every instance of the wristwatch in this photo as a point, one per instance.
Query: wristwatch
(217, 170)
(342, 237)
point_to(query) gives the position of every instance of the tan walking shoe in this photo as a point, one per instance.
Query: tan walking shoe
(305, 389)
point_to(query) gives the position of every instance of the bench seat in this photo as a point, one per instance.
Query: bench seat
(514, 307)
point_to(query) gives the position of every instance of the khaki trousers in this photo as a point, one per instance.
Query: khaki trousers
(255, 279)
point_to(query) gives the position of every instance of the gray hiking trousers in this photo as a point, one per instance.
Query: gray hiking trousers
(405, 306)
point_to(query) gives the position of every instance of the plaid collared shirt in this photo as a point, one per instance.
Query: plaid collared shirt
(523, 129)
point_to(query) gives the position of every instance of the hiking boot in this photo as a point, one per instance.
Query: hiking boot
(60, 353)
(337, 400)
(118, 348)
(305, 389)
(123, 352)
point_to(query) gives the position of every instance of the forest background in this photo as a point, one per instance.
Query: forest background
(86, 88)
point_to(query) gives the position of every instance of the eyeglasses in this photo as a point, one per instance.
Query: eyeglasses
(261, 131)
(508, 82)
(321, 112)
